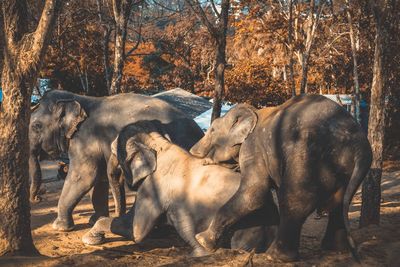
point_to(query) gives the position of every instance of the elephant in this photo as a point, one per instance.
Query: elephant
(309, 148)
(84, 127)
(174, 183)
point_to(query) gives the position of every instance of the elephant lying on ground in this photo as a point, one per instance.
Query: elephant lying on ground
(85, 127)
(175, 183)
(309, 148)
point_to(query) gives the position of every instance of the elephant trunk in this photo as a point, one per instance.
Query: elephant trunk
(202, 148)
(35, 174)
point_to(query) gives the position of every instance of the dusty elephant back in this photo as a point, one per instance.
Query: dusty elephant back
(106, 116)
(214, 185)
(311, 130)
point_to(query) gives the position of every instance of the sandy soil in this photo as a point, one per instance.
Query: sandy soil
(378, 245)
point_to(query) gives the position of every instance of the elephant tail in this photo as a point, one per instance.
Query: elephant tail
(361, 168)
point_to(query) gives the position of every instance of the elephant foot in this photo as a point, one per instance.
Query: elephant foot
(335, 241)
(63, 225)
(94, 218)
(93, 238)
(199, 252)
(279, 255)
(207, 239)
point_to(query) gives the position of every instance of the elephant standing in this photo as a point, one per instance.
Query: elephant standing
(175, 183)
(84, 127)
(310, 148)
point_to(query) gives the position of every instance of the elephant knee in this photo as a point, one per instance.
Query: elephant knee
(254, 199)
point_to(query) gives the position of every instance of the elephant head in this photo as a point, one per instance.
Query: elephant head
(223, 139)
(137, 161)
(135, 155)
(53, 123)
(52, 126)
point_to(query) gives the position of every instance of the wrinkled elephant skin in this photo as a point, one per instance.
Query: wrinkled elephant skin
(175, 183)
(84, 127)
(309, 148)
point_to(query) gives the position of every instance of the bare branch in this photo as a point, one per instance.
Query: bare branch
(43, 30)
(215, 9)
(200, 13)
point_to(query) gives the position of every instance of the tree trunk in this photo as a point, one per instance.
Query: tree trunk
(219, 72)
(23, 54)
(122, 11)
(220, 60)
(15, 229)
(371, 189)
(106, 55)
(356, 92)
(292, 86)
(107, 30)
(311, 28)
(218, 33)
(304, 74)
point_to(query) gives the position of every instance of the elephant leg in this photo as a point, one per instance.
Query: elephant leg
(258, 229)
(99, 197)
(79, 181)
(272, 218)
(295, 205)
(147, 211)
(335, 236)
(250, 196)
(116, 181)
(185, 227)
(120, 226)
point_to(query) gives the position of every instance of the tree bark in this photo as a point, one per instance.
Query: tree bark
(107, 30)
(23, 53)
(220, 60)
(356, 92)
(292, 86)
(371, 189)
(219, 73)
(218, 33)
(311, 28)
(122, 11)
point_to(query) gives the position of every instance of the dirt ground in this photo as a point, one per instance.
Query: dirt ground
(378, 245)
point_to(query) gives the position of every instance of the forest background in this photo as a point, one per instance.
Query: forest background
(167, 46)
(255, 51)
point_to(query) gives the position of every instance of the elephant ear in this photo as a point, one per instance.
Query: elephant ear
(70, 113)
(141, 159)
(242, 120)
(114, 146)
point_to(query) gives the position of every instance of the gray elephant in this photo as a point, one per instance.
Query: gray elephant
(309, 148)
(85, 127)
(173, 182)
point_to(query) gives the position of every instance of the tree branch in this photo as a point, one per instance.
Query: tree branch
(199, 11)
(215, 9)
(40, 36)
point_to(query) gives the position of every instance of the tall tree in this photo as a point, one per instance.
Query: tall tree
(311, 27)
(356, 91)
(23, 54)
(371, 189)
(218, 31)
(290, 44)
(122, 10)
(107, 30)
